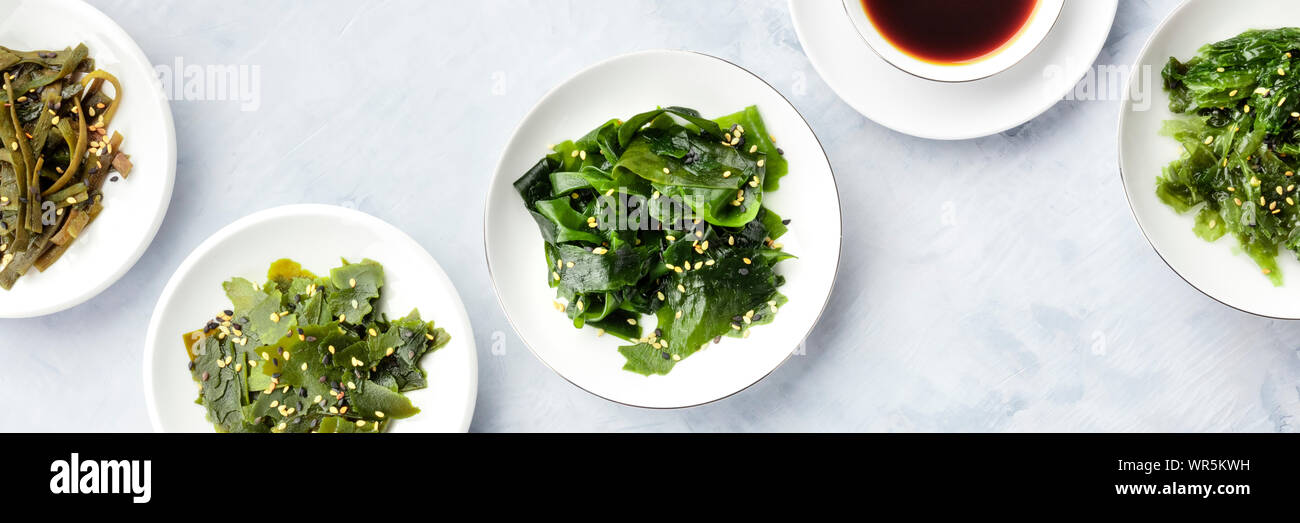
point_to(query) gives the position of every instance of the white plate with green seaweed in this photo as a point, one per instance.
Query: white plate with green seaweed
(1209, 166)
(134, 207)
(325, 321)
(687, 224)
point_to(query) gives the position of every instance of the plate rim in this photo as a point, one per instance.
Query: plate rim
(169, 152)
(255, 218)
(509, 145)
(820, 66)
(1124, 110)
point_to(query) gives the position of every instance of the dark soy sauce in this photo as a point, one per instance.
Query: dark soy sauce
(949, 31)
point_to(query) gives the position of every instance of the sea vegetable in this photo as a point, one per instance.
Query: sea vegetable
(303, 353)
(662, 215)
(1238, 103)
(56, 153)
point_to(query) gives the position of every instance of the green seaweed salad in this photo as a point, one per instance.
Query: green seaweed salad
(663, 215)
(1240, 130)
(308, 354)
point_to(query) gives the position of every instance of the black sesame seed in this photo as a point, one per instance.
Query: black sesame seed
(780, 151)
(228, 312)
(717, 339)
(665, 355)
(191, 366)
(276, 375)
(311, 338)
(785, 222)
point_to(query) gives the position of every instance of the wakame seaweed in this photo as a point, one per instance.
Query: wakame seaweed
(303, 353)
(662, 215)
(1240, 129)
(57, 153)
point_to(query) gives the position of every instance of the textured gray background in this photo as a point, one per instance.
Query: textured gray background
(998, 284)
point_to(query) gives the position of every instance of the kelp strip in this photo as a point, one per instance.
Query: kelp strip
(57, 153)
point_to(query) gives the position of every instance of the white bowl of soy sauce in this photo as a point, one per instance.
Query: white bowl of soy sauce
(953, 40)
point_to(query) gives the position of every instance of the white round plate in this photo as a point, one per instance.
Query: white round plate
(951, 111)
(133, 207)
(316, 236)
(620, 88)
(1217, 269)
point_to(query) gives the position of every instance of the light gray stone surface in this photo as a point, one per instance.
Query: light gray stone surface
(998, 284)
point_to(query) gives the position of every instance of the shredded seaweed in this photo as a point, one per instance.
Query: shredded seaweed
(662, 215)
(1239, 125)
